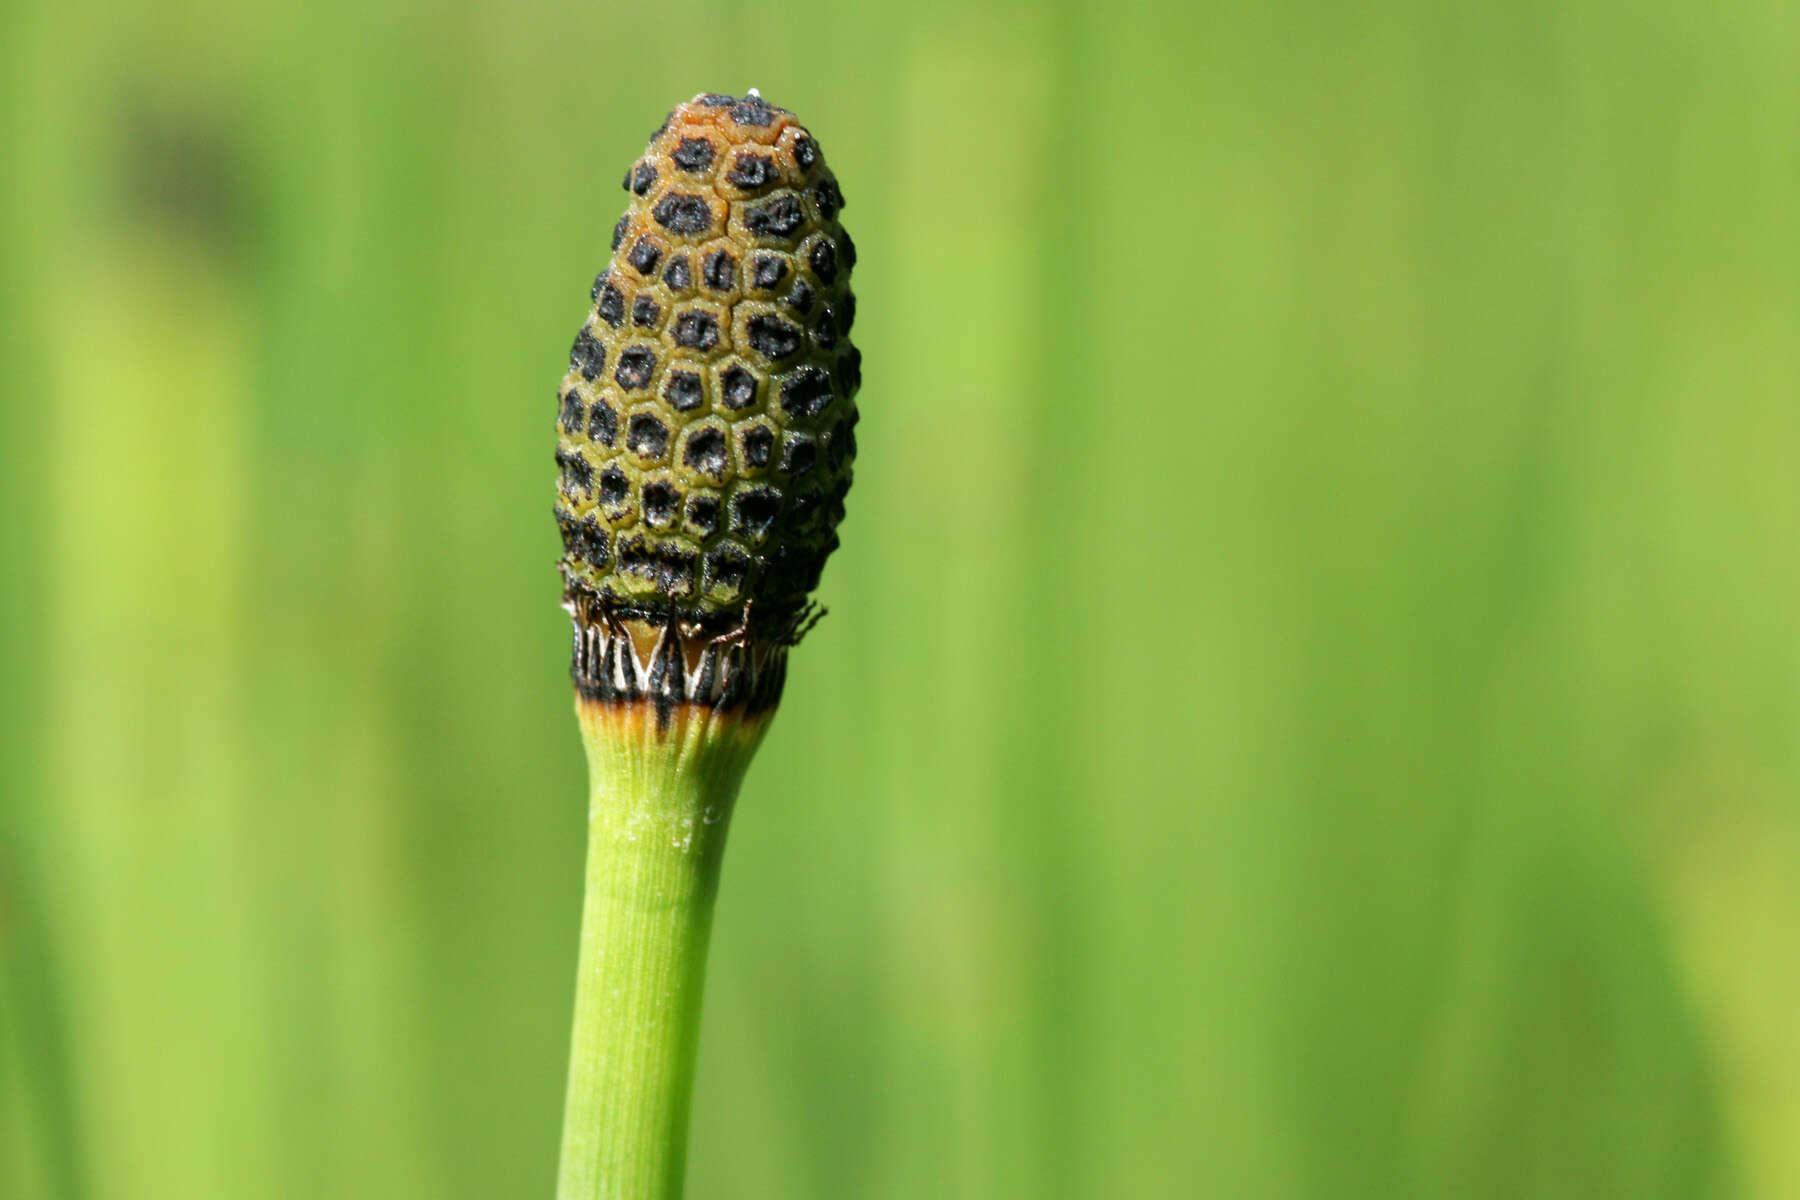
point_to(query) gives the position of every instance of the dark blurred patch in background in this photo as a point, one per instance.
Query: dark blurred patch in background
(1311, 699)
(179, 170)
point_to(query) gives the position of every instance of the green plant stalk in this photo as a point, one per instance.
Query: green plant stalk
(660, 807)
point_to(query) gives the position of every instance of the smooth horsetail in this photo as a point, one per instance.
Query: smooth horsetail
(706, 429)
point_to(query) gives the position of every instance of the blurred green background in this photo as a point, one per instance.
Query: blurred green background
(1311, 701)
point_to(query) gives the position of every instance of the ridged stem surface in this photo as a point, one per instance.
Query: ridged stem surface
(660, 806)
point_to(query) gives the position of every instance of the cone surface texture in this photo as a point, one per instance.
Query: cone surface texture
(706, 423)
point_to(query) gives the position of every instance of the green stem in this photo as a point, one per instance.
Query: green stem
(661, 804)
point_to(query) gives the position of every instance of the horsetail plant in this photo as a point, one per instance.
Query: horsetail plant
(706, 431)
